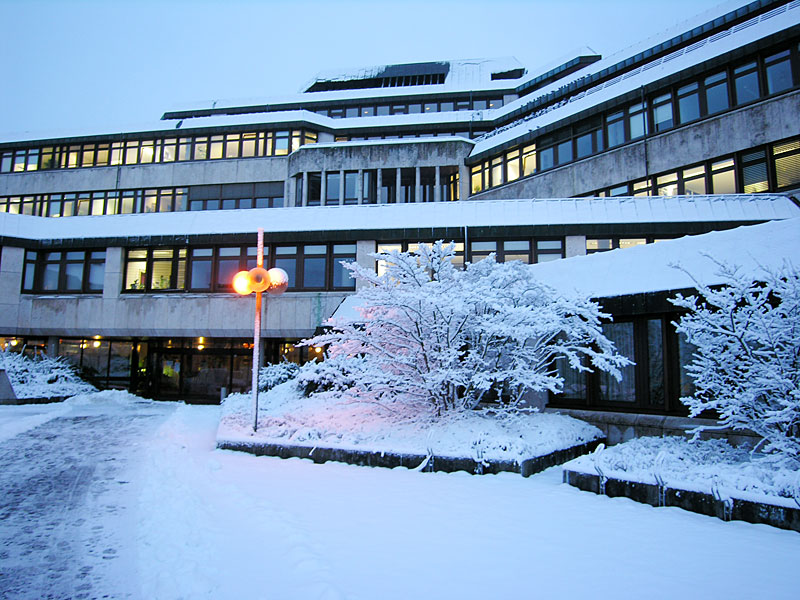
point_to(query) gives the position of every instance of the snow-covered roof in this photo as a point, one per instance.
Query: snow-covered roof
(531, 212)
(652, 267)
(462, 75)
(739, 35)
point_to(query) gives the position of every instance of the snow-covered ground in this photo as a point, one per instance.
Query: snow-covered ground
(286, 416)
(202, 523)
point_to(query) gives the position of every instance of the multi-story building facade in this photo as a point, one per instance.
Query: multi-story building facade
(118, 249)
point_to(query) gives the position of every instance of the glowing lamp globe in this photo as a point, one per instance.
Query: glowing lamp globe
(259, 279)
(241, 283)
(278, 281)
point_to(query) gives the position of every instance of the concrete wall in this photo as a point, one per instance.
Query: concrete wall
(377, 156)
(243, 170)
(295, 314)
(765, 122)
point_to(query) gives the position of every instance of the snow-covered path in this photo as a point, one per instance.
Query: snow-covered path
(67, 497)
(196, 523)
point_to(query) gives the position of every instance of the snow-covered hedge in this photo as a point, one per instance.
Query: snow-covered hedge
(708, 466)
(275, 374)
(41, 376)
(288, 416)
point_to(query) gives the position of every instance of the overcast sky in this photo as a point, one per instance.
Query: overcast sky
(107, 66)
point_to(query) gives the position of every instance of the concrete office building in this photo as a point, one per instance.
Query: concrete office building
(118, 249)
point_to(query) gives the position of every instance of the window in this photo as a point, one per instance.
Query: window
(341, 276)
(787, 163)
(314, 189)
(369, 187)
(754, 172)
(723, 177)
(637, 122)
(286, 259)
(745, 83)
(155, 269)
(529, 160)
(332, 179)
(314, 262)
(694, 180)
(70, 271)
(779, 72)
(615, 126)
(688, 103)
(716, 93)
(350, 182)
(662, 112)
(201, 261)
(548, 250)
(610, 390)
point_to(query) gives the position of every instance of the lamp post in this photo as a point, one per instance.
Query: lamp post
(258, 280)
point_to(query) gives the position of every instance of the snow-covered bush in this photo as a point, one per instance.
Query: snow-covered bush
(41, 376)
(436, 338)
(275, 374)
(747, 363)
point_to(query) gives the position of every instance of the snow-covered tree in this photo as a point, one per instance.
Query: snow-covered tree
(41, 376)
(747, 363)
(275, 374)
(434, 338)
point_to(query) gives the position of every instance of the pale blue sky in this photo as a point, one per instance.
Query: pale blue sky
(108, 66)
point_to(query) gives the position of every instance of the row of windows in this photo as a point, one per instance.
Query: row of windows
(655, 380)
(206, 269)
(766, 168)
(206, 197)
(72, 271)
(211, 269)
(755, 78)
(472, 133)
(170, 149)
(414, 108)
(341, 187)
(529, 251)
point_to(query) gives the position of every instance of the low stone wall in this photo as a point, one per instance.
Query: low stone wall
(620, 427)
(727, 509)
(447, 464)
(49, 400)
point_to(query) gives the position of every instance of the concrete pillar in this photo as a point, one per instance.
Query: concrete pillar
(437, 185)
(463, 182)
(289, 195)
(360, 186)
(323, 187)
(417, 185)
(379, 180)
(363, 250)
(400, 199)
(52, 345)
(341, 187)
(574, 245)
(305, 188)
(113, 280)
(11, 266)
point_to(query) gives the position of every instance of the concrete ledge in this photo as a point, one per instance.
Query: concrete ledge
(50, 400)
(446, 464)
(621, 427)
(728, 509)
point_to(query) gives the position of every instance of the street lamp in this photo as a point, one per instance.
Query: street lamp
(258, 280)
